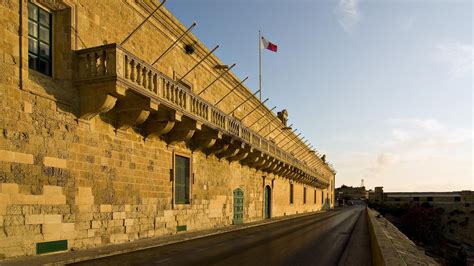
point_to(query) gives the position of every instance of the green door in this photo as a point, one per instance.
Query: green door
(238, 206)
(268, 202)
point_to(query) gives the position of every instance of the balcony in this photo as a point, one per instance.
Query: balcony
(109, 77)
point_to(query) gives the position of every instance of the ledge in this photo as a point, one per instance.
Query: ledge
(390, 246)
(109, 77)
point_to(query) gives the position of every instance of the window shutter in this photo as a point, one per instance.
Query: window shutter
(182, 180)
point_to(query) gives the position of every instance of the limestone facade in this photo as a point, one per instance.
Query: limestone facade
(88, 154)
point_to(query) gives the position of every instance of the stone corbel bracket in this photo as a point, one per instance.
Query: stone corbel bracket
(161, 122)
(251, 159)
(268, 164)
(98, 98)
(242, 154)
(204, 139)
(220, 146)
(133, 110)
(261, 163)
(232, 150)
(183, 131)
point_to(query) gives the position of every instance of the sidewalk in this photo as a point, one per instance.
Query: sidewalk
(115, 249)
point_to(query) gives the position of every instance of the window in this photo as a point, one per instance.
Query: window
(39, 39)
(322, 197)
(397, 199)
(315, 196)
(430, 198)
(457, 199)
(181, 183)
(291, 193)
(304, 195)
(416, 198)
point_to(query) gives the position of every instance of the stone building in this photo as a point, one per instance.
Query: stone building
(103, 143)
(376, 196)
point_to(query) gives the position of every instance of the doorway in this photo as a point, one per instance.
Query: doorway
(238, 206)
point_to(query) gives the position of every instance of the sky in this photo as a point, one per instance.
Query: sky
(383, 88)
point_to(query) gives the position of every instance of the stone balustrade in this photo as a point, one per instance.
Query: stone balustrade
(109, 76)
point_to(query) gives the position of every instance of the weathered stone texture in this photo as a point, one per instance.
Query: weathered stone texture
(92, 182)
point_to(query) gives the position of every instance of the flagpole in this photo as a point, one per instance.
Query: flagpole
(260, 65)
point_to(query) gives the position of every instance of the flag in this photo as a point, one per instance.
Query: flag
(264, 43)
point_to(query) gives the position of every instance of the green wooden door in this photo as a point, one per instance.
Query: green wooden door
(238, 206)
(268, 202)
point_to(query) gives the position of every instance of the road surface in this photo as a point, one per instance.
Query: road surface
(338, 237)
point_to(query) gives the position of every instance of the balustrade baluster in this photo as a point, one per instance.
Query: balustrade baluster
(132, 70)
(179, 96)
(185, 106)
(149, 80)
(143, 76)
(102, 63)
(138, 76)
(87, 66)
(156, 89)
(173, 93)
(92, 63)
(127, 68)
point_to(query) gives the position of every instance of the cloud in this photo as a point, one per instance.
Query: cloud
(416, 151)
(416, 134)
(459, 58)
(348, 14)
(429, 124)
(381, 163)
(386, 159)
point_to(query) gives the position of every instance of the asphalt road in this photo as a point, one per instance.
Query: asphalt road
(338, 237)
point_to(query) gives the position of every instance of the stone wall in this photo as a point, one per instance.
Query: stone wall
(87, 182)
(391, 247)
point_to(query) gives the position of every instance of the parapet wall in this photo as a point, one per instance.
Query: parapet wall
(391, 247)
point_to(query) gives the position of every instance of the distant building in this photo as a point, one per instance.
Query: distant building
(398, 198)
(457, 206)
(376, 196)
(351, 193)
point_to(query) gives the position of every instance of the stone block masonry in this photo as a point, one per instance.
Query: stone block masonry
(390, 246)
(89, 153)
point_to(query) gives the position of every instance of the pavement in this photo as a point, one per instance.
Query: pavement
(308, 239)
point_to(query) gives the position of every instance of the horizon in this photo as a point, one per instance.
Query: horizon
(388, 84)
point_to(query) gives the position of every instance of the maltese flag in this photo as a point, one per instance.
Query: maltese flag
(264, 43)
